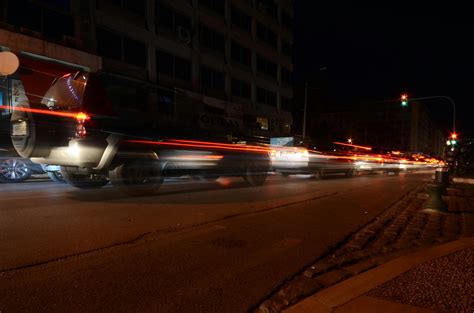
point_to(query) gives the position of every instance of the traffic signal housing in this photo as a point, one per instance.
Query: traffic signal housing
(404, 100)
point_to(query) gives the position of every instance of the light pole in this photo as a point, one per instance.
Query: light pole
(435, 97)
(323, 68)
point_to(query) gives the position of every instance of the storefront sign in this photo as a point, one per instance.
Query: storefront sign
(217, 122)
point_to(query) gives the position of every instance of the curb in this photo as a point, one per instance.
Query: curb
(328, 299)
(463, 180)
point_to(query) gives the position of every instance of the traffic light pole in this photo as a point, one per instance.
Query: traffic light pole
(444, 97)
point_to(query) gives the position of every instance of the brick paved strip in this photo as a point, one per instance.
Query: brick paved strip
(347, 290)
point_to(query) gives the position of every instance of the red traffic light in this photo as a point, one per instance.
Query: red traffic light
(454, 136)
(404, 97)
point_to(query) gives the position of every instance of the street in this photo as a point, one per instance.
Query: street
(197, 246)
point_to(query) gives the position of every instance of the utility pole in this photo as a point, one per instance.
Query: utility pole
(304, 110)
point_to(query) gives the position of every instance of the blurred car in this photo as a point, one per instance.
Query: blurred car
(85, 124)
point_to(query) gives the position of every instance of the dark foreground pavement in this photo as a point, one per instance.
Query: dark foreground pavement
(437, 278)
(191, 249)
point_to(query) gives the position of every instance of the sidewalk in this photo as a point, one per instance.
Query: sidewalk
(406, 260)
(438, 279)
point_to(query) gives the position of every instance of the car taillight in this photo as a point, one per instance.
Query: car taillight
(81, 119)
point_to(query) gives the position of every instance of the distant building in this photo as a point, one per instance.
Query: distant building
(385, 125)
(221, 65)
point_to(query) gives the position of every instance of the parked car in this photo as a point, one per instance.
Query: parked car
(14, 169)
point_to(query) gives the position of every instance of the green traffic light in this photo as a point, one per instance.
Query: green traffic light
(453, 142)
(404, 103)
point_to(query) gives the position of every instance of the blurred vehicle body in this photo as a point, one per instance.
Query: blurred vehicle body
(83, 125)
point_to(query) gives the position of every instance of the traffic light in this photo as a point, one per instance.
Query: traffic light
(452, 139)
(404, 100)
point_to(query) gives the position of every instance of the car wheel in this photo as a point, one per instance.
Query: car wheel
(14, 170)
(256, 174)
(137, 177)
(83, 181)
(57, 177)
(319, 174)
(351, 173)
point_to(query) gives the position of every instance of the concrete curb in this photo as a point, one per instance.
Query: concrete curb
(463, 180)
(329, 299)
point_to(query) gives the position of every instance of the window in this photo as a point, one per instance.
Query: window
(51, 19)
(212, 39)
(269, 7)
(241, 20)
(286, 19)
(240, 54)
(173, 66)
(212, 79)
(109, 44)
(266, 35)
(166, 102)
(285, 103)
(56, 24)
(286, 76)
(125, 95)
(266, 96)
(171, 20)
(135, 6)
(266, 67)
(262, 122)
(217, 6)
(134, 52)
(286, 48)
(114, 46)
(241, 88)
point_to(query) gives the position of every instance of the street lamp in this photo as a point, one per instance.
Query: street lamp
(349, 140)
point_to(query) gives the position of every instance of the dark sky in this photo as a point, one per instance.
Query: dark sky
(377, 51)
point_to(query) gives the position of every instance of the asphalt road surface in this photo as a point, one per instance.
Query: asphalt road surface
(195, 247)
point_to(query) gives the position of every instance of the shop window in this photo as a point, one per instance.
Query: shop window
(262, 122)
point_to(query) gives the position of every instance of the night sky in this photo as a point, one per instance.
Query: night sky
(376, 52)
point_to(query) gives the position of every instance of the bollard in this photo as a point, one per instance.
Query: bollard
(442, 177)
(435, 201)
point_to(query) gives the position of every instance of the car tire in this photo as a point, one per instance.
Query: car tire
(137, 177)
(83, 181)
(319, 174)
(14, 170)
(351, 173)
(256, 173)
(57, 177)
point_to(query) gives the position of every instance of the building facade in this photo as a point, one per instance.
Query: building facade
(385, 125)
(221, 65)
